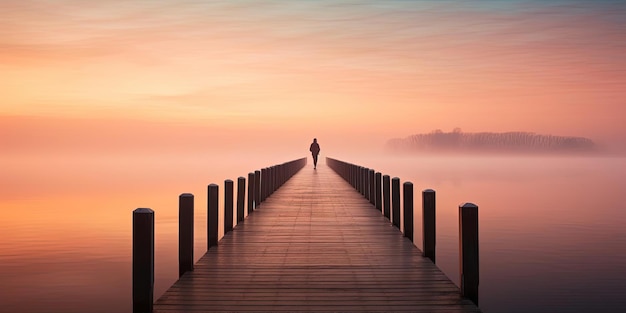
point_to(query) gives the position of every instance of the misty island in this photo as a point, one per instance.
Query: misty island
(518, 142)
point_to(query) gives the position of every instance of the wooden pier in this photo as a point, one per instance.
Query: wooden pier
(315, 244)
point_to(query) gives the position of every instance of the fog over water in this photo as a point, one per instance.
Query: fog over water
(551, 228)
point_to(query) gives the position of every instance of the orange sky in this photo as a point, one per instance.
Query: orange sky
(130, 75)
(107, 106)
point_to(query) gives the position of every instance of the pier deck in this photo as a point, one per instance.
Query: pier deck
(315, 245)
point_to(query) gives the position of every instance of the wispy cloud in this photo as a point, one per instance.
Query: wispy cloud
(232, 58)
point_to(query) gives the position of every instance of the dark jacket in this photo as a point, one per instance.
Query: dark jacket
(315, 148)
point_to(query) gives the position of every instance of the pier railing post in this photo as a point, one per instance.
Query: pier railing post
(212, 215)
(386, 196)
(273, 184)
(257, 189)
(265, 179)
(378, 192)
(351, 173)
(241, 194)
(429, 225)
(251, 194)
(282, 175)
(468, 250)
(185, 233)
(366, 185)
(395, 202)
(143, 260)
(268, 189)
(359, 178)
(408, 210)
(228, 206)
(372, 187)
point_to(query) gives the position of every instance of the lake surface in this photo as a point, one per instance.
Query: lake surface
(552, 235)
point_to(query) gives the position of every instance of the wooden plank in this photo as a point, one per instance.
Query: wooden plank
(315, 244)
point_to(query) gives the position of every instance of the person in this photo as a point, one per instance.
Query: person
(315, 150)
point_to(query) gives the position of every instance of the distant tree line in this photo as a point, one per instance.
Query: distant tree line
(457, 140)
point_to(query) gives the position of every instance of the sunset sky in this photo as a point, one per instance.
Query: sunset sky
(111, 105)
(133, 75)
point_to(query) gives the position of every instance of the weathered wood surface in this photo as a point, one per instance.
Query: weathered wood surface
(315, 245)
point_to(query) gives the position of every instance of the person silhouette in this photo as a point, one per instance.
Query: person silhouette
(315, 151)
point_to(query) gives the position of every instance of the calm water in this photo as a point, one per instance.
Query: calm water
(551, 229)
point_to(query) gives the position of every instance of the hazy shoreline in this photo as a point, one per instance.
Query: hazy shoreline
(492, 143)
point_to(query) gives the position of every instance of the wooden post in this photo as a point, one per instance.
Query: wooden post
(408, 210)
(283, 174)
(257, 189)
(270, 182)
(359, 182)
(378, 193)
(429, 233)
(365, 173)
(268, 189)
(228, 206)
(143, 260)
(372, 187)
(352, 175)
(386, 196)
(395, 202)
(251, 181)
(272, 171)
(212, 215)
(264, 183)
(185, 233)
(468, 250)
(241, 194)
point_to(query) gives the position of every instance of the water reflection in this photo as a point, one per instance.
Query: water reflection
(550, 229)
